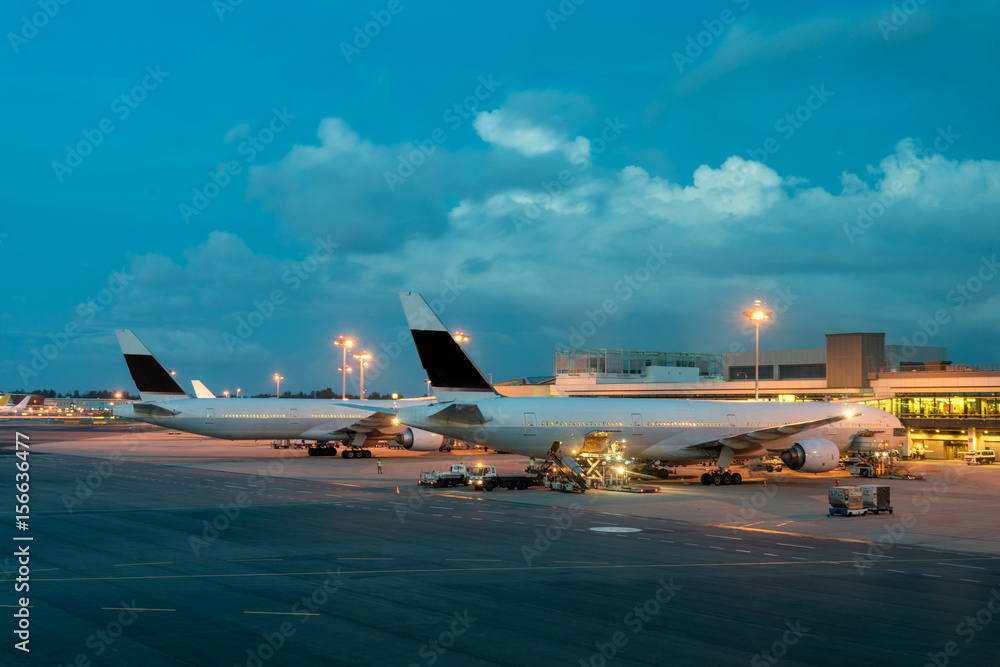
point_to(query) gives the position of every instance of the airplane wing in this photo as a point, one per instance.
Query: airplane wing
(753, 439)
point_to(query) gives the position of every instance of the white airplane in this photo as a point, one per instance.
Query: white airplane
(809, 437)
(164, 403)
(8, 409)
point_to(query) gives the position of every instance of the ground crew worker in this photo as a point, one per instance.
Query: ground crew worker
(379, 461)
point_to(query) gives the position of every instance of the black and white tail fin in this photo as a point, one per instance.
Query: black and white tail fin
(452, 374)
(151, 379)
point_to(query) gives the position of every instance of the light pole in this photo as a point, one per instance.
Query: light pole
(428, 387)
(362, 362)
(238, 390)
(344, 343)
(277, 380)
(226, 393)
(756, 315)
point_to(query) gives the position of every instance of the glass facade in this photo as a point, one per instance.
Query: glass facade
(633, 362)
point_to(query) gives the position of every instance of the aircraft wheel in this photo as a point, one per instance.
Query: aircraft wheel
(716, 479)
(368, 454)
(312, 452)
(706, 479)
(727, 478)
(737, 478)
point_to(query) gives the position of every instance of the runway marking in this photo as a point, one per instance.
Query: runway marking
(440, 507)
(719, 548)
(743, 551)
(583, 562)
(637, 566)
(971, 567)
(782, 532)
(896, 571)
(785, 523)
(723, 537)
(476, 560)
(856, 553)
(282, 613)
(47, 569)
(767, 554)
(135, 609)
(799, 558)
(249, 560)
(162, 562)
(490, 512)
(797, 546)
(971, 581)
(936, 576)
(363, 558)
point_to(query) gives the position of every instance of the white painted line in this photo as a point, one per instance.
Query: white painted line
(668, 541)
(490, 512)
(896, 571)
(521, 523)
(871, 555)
(743, 551)
(797, 546)
(936, 576)
(719, 548)
(724, 537)
(689, 544)
(767, 554)
(969, 567)
(971, 581)
(799, 558)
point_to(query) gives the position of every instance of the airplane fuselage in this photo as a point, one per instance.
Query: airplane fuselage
(650, 429)
(249, 418)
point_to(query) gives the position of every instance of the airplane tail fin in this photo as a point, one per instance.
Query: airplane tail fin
(4, 399)
(151, 379)
(453, 376)
(24, 403)
(200, 390)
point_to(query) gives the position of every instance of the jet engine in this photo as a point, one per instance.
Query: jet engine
(812, 455)
(419, 441)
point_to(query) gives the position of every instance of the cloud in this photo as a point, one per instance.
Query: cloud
(537, 123)
(241, 130)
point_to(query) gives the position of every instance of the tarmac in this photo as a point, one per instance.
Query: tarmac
(172, 549)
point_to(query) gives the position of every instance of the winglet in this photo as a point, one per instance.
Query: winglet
(200, 390)
(151, 379)
(452, 374)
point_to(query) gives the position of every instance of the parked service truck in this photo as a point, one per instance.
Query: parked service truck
(487, 478)
(457, 475)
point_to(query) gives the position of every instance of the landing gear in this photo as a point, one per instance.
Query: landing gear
(721, 478)
(352, 453)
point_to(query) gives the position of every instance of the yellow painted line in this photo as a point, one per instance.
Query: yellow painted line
(45, 569)
(136, 609)
(249, 560)
(539, 568)
(357, 486)
(783, 532)
(282, 613)
(162, 562)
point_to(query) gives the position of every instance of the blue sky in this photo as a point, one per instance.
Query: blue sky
(650, 169)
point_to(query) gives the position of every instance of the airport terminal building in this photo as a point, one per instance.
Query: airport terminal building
(945, 406)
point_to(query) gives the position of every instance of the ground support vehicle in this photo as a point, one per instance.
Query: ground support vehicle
(457, 475)
(487, 478)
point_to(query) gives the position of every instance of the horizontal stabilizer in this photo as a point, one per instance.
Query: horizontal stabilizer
(461, 414)
(153, 410)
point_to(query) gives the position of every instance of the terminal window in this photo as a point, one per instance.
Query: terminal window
(746, 372)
